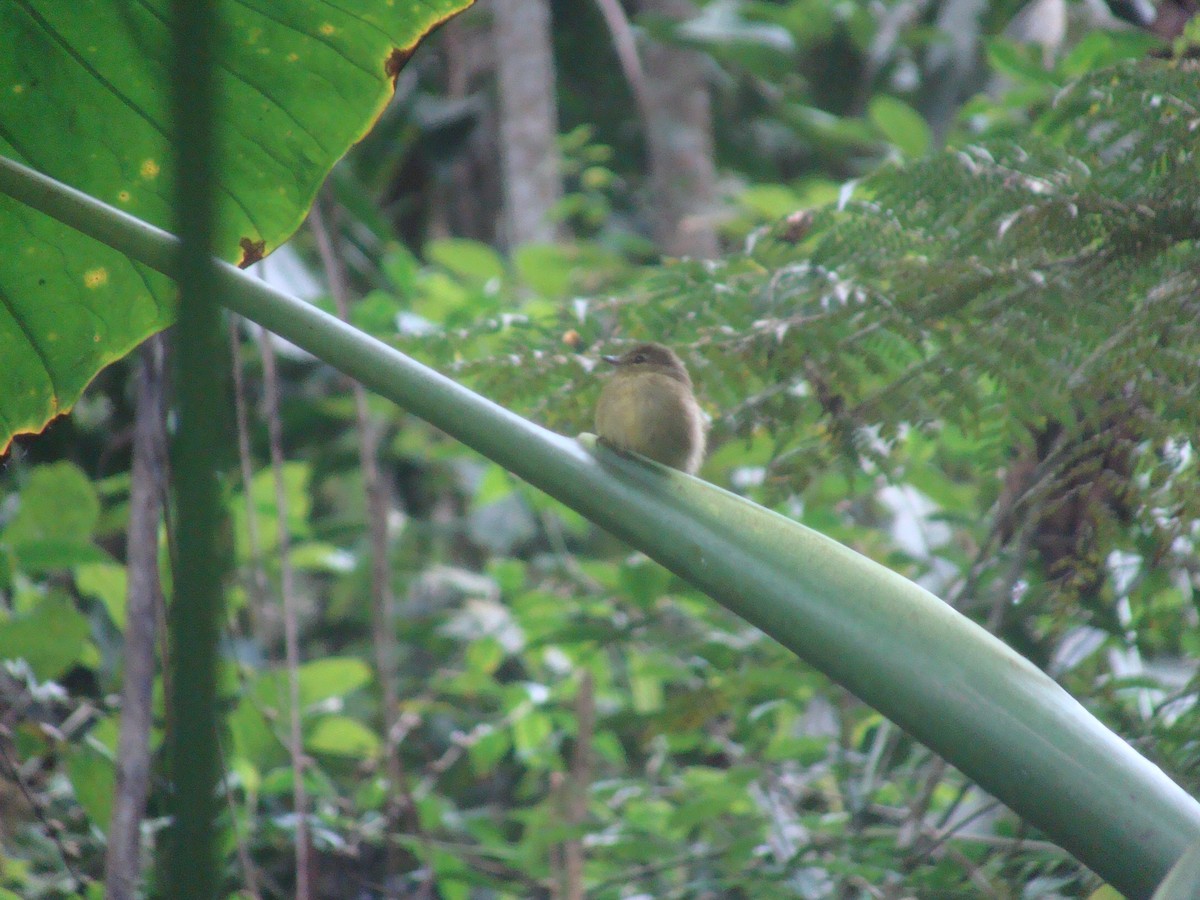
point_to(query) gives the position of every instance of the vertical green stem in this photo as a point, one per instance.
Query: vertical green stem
(196, 611)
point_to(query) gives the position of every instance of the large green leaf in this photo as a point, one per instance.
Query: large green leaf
(83, 94)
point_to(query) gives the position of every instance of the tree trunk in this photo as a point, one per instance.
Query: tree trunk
(465, 186)
(528, 119)
(683, 173)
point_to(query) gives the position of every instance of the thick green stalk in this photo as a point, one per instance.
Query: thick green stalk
(198, 604)
(948, 682)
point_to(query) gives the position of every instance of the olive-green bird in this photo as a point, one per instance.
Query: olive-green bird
(648, 407)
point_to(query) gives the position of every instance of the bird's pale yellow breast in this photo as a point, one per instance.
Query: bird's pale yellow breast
(652, 414)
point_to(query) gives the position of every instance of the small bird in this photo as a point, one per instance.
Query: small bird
(648, 407)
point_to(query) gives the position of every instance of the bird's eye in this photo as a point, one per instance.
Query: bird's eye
(639, 358)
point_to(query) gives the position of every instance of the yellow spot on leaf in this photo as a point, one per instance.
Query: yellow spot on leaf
(95, 278)
(18, 88)
(326, 29)
(150, 169)
(123, 196)
(293, 57)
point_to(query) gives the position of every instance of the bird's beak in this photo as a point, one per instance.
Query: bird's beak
(611, 360)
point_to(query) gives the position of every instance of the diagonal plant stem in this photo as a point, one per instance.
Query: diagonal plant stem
(941, 677)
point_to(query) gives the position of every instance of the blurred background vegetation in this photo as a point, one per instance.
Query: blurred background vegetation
(976, 365)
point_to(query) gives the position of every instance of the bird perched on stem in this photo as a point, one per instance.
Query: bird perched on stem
(648, 407)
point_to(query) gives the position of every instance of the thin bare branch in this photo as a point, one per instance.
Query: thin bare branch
(291, 625)
(627, 54)
(578, 785)
(123, 860)
(258, 583)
